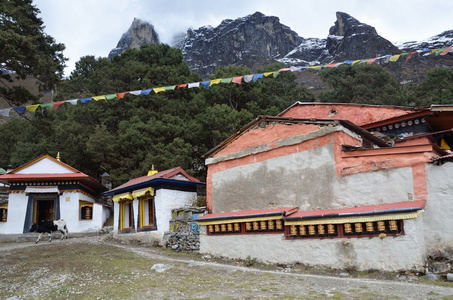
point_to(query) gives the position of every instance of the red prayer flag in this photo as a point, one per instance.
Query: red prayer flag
(58, 103)
(412, 53)
(370, 61)
(182, 86)
(121, 95)
(237, 80)
(446, 50)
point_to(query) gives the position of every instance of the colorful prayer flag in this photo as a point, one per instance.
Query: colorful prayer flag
(97, 98)
(73, 101)
(32, 108)
(159, 89)
(448, 49)
(110, 97)
(21, 110)
(182, 86)
(194, 85)
(5, 112)
(257, 76)
(215, 81)
(248, 78)
(145, 92)
(237, 80)
(170, 88)
(206, 84)
(226, 80)
(395, 57)
(58, 103)
(121, 95)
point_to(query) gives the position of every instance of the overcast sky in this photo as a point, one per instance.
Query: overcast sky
(94, 27)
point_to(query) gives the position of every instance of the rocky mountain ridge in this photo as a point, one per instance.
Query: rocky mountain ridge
(140, 32)
(256, 40)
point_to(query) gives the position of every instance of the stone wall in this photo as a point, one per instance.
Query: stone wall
(184, 234)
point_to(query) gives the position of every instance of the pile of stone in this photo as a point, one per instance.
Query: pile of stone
(184, 235)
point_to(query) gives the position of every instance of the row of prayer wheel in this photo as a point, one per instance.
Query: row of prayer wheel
(349, 228)
(219, 228)
(306, 230)
(269, 225)
(370, 227)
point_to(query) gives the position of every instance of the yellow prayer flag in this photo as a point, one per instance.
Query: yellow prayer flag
(395, 57)
(444, 145)
(159, 89)
(356, 61)
(268, 73)
(32, 107)
(215, 81)
(97, 98)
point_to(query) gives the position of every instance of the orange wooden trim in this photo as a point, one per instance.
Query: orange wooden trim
(388, 151)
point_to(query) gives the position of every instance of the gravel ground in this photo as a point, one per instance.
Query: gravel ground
(99, 268)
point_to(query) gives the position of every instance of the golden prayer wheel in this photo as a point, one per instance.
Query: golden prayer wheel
(358, 227)
(230, 227)
(381, 226)
(248, 226)
(270, 225)
(302, 230)
(256, 226)
(223, 227)
(311, 230)
(4, 215)
(278, 224)
(321, 229)
(293, 230)
(237, 227)
(331, 229)
(217, 228)
(211, 228)
(263, 225)
(369, 226)
(347, 228)
(88, 213)
(393, 225)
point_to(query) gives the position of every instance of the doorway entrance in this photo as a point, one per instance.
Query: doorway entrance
(44, 210)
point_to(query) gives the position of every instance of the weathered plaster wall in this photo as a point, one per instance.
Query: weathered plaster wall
(287, 181)
(307, 180)
(439, 207)
(388, 254)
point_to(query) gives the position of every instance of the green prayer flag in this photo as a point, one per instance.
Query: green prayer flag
(276, 74)
(170, 88)
(110, 97)
(226, 80)
(46, 105)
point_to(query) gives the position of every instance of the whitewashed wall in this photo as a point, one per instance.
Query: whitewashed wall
(69, 211)
(388, 254)
(164, 201)
(17, 209)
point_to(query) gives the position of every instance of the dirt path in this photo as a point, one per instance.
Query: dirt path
(188, 276)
